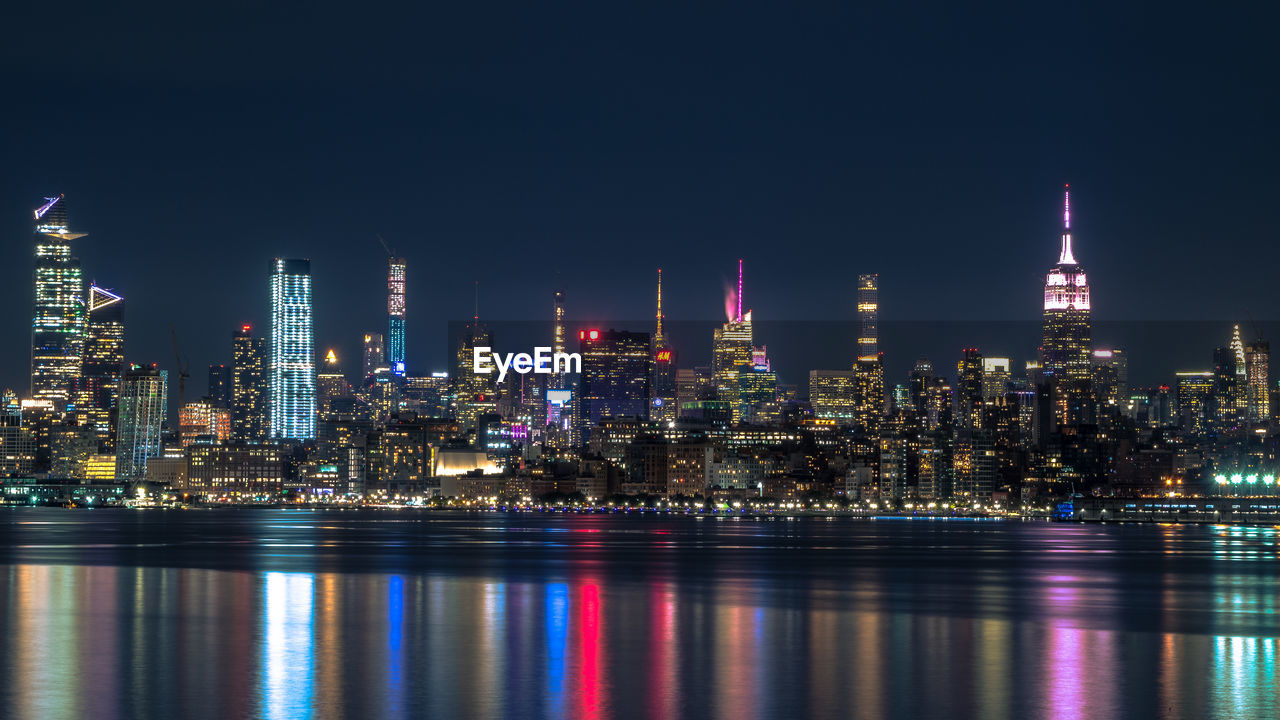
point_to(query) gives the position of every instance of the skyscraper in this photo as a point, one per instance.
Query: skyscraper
(374, 355)
(220, 385)
(58, 324)
(868, 316)
(248, 386)
(1257, 360)
(1065, 353)
(396, 268)
(663, 384)
(477, 393)
(98, 387)
(969, 390)
(615, 377)
(731, 352)
(330, 382)
(143, 398)
(291, 369)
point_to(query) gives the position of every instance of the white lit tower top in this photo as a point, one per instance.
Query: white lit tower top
(1066, 287)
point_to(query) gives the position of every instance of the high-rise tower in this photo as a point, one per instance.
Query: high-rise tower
(98, 387)
(58, 324)
(291, 368)
(395, 314)
(1257, 358)
(663, 383)
(731, 350)
(143, 400)
(248, 386)
(868, 316)
(1065, 353)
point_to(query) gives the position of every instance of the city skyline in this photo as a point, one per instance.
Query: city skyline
(396, 286)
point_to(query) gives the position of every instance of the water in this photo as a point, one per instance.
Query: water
(291, 613)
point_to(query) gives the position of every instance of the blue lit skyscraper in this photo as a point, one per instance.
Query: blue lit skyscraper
(291, 368)
(395, 314)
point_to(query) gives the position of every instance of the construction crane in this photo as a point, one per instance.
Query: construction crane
(385, 246)
(182, 367)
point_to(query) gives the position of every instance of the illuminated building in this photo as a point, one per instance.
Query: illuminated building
(100, 468)
(616, 367)
(1065, 353)
(663, 386)
(70, 448)
(1224, 413)
(974, 466)
(248, 386)
(374, 354)
(996, 376)
(236, 471)
(330, 382)
(868, 316)
(1110, 376)
(731, 351)
(143, 398)
(477, 393)
(919, 380)
(1257, 361)
(969, 390)
(17, 445)
(757, 388)
(291, 370)
(1194, 391)
(98, 386)
(1242, 377)
(869, 393)
(427, 395)
(675, 469)
(395, 314)
(832, 395)
(220, 391)
(57, 327)
(558, 415)
(399, 454)
(203, 421)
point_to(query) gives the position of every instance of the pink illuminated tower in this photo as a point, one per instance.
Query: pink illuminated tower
(1065, 352)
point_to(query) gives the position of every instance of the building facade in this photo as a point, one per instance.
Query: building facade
(291, 368)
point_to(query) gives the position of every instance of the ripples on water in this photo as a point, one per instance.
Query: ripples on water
(286, 614)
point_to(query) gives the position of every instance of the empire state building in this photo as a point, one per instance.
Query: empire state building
(1065, 351)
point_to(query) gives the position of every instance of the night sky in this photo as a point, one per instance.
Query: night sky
(509, 143)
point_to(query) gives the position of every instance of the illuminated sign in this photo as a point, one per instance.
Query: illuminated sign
(559, 398)
(664, 356)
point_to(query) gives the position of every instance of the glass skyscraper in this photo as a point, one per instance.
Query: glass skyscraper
(291, 368)
(58, 324)
(143, 399)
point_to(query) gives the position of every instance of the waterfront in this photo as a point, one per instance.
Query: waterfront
(404, 613)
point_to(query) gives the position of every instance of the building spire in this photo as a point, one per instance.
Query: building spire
(739, 316)
(657, 335)
(1066, 257)
(476, 317)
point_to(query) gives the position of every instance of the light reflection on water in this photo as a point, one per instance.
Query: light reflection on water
(892, 620)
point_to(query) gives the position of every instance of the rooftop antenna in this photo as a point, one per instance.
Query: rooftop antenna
(657, 336)
(739, 289)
